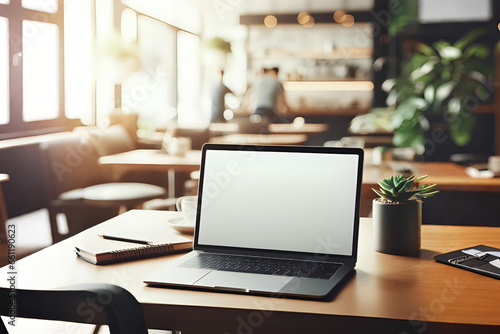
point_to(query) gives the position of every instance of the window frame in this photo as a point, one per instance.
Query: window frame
(17, 127)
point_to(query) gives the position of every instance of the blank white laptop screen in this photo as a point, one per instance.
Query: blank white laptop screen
(286, 201)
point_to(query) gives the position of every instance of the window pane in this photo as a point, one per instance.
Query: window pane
(77, 62)
(153, 91)
(105, 90)
(5, 1)
(49, 6)
(40, 71)
(188, 68)
(4, 71)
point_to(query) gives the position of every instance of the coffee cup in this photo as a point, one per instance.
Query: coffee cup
(494, 164)
(187, 206)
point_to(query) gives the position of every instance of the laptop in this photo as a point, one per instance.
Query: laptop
(272, 220)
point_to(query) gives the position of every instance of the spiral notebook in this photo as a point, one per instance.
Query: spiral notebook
(131, 225)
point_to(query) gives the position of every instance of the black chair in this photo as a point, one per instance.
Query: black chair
(77, 186)
(100, 304)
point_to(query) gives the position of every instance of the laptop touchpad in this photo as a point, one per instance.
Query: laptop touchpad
(251, 282)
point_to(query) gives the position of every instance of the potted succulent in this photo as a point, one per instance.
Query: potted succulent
(397, 214)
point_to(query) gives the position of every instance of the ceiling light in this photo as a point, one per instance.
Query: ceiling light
(303, 17)
(348, 20)
(270, 21)
(309, 23)
(338, 16)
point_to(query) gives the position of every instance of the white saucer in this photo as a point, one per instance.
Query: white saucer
(178, 225)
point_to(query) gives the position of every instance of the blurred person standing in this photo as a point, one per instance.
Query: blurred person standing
(268, 96)
(218, 100)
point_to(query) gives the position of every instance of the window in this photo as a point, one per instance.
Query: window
(78, 78)
(4, 70)
(40, 71)
(188, 55)
(49, 6)
(31, 75)
(52, 78)
(152, 92)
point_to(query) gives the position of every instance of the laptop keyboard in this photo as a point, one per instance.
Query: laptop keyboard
(260, 265)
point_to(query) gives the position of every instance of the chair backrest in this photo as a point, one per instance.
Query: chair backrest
(70, 163)
(106, 141)
(101, 304)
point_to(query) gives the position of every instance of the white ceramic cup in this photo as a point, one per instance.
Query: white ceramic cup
(187, 205)
(494, 164)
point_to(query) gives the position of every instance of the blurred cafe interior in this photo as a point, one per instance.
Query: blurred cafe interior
(83, 82)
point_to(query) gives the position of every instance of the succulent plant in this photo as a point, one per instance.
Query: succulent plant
(398, 189)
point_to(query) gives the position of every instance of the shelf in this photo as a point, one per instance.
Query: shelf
(344, 53)
(335, 85)
(328, 111)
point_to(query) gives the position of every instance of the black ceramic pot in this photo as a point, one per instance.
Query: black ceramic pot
(396, 227)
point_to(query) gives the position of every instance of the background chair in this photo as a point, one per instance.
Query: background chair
(119, 308)
(78, 187)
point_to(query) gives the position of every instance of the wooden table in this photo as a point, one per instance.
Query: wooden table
(293, 128)
(388, 294)
(153, 160)
(448, 176)
(261, 139)
(275, 128)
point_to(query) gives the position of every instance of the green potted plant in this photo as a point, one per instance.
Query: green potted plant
(397, 214)
(216, 52)
(441, 78)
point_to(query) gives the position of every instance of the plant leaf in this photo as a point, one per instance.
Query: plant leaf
(450, 53)
(426, 50)
(429, 93)
(384, 185)
(477, 50)
(423, 70)
(461, 126)
(426, 195)
(442, 93)
(469, 38)
(421, 178)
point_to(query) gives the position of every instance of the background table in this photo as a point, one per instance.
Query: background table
(261, 139)
(388, 294)
(153, 160)
(448, 176)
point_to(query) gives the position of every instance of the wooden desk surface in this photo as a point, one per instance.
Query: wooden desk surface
(388, 294)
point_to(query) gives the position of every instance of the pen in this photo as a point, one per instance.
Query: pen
(144, 242)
